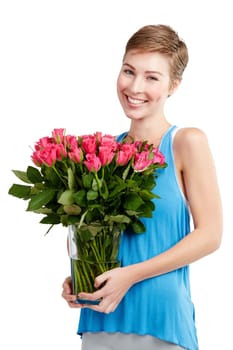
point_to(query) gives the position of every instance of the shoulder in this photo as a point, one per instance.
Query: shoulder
(189, 137)
(190, 147)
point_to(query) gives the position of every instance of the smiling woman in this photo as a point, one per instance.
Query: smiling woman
(152, 282)
(59, 66)
(143, 91)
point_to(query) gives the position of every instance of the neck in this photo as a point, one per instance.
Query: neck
(152, 134)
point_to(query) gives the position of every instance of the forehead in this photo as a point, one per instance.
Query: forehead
(147, 61)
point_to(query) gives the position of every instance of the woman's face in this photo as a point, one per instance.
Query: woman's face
(143, 84)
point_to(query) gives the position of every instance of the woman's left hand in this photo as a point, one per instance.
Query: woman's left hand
(116, 283)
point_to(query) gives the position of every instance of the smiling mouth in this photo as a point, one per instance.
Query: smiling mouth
(135, 101)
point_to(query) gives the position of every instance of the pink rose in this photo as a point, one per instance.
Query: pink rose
(92, 162)
(108, 141)
(43, 143)
(71, 142)
(125, 153)
(142, 160)
(88, 143)
(47, 156)
(158, 156)
(58, 135)
(76, 155)
(105, 154)
(60, 151)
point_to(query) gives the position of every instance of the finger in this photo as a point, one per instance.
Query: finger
(76, 305)
(67, 280)
(100, 280)
(104, 306)
(66, 285)
(68, 296)
(91, 296)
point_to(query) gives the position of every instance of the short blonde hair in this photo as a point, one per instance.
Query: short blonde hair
(163, 39)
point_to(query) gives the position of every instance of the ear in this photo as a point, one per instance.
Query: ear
(174, 86)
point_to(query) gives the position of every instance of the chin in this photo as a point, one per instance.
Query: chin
(133, 116)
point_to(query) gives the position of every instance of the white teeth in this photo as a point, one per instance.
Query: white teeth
(136, 102)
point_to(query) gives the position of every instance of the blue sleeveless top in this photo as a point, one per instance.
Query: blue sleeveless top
(160, 306)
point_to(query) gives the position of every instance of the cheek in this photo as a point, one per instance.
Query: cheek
(120, 84)
(155, 95)
(159, 94)
(158, 97)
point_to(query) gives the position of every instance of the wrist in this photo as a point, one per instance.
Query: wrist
(134, 273)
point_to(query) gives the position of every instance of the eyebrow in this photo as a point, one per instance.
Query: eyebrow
(148, 71)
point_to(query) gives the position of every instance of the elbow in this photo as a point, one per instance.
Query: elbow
(216, 231)
(215, 240)
(216, 244)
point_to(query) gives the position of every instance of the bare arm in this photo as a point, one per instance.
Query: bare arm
(198, 178)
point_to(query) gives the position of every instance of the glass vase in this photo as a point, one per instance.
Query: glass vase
(93, 250)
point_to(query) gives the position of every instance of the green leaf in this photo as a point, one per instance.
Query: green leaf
(40, 199)
(71, 180)
(89, 216)
(34, 175)
(132, 184)
(146, 209)
(118, 218)
(138, 227)
(22, 175)
(94, 185)
(147, 195)
(149, 182)
(91, 195)
(72, 209)
(104, 189)
(52, 219)
(43, 211)
(132, 212)
(86, 235)
(117, 189)
(69, 220)
(66, 198)
(19, 191)
(51, 177)
(126, 171)
(87, 180)
(132, 201)
(80, 198)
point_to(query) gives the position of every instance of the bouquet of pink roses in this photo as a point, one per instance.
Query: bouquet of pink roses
(96, 186)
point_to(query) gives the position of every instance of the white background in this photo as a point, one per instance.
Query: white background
(59, 62)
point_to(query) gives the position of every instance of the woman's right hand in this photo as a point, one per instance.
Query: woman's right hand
(67, 294)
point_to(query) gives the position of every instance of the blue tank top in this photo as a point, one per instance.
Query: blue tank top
(160, 306)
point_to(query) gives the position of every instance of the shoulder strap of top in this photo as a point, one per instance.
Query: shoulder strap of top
(121, 136)
(166, 136)
(173, 133)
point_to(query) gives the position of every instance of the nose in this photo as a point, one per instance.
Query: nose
(137, 85)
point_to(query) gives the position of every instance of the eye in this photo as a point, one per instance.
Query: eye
(151, 77)
(128, 71)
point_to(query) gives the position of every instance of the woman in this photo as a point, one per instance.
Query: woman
(146, 303)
